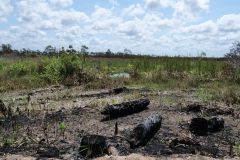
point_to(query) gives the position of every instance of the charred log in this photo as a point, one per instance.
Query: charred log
(194, 108)
(119, 90)
(143, 132)
(125, 108)
(93, 146)
(201, 126)
(215, 124)
(48, 152)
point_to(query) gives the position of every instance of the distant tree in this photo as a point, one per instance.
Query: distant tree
(6, 48)
(127, 51)
(84, 49)
(38, 52)
(109, 53)
(234, 54)
(71, 49)
(50, 50)
(62, 51)
(203, 54)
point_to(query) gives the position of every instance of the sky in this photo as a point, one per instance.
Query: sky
(154, 27)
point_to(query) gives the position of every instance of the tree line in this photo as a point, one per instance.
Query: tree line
(7, 49)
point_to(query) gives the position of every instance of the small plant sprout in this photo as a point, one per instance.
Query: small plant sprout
(62, 128)
(236, 147)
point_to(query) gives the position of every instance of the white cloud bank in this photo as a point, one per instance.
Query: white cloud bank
(5, 9)
(141, 27)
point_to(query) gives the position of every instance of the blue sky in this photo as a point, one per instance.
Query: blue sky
(156, 27)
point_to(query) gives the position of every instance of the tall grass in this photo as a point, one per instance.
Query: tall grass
(94, 72)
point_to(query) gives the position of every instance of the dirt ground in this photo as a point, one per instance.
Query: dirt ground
(38, 114)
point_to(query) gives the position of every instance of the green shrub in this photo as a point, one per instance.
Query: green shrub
(59, 69)
(52, 71)
(18, 69)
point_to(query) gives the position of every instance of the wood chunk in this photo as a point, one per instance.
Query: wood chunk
(119, 90)
(201, 126)
(143, 132)
(194, 107)
(215, 124)
(93, 146)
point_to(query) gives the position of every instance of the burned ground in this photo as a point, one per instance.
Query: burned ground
(56, 119)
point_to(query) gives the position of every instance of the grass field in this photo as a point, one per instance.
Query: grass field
(212, 78)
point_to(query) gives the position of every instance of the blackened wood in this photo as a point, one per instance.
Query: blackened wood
(120, 90)
(215, 124)
(126, 108)
(93, 146)
(143, 132)
(194, 107)
(201, 126)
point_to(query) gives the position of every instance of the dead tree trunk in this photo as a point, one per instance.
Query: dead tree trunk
(125, 108)
(145, 131)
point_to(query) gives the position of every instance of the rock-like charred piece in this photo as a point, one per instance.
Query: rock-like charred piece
(201, 126)
(215, 124)
(143, 132)
(93, 146)
(194, 108)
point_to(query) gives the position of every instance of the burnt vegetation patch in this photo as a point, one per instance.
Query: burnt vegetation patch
(138, 126)
(210, 110)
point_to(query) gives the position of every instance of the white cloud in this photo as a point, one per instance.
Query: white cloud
(130, 28)
(63, 3)
(103, 19)
(141, 29)
(161, 3)
(229, 23)
(5, 9)
(156, 20)
(113, 2)
(70, 17)
(190, 9)
(46, 17)
(186, 9)
(207, 27)
(27, 12)
(135, 29)
(47, 25)
(133, 10)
